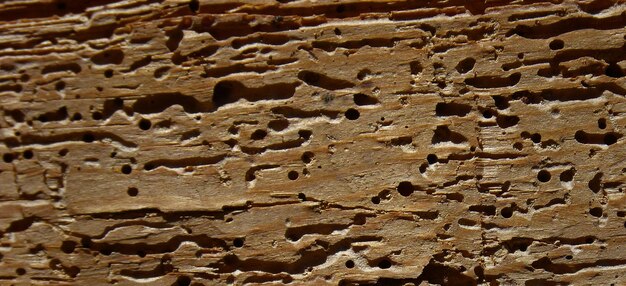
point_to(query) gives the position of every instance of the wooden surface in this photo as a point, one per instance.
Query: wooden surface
(312, 142)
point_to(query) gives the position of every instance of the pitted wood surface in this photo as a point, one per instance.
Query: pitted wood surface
(312, 142)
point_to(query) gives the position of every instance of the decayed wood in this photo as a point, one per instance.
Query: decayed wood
(312, 142)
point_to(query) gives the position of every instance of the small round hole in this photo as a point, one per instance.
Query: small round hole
(597, 211)
(375, 200)
(7, 158)
(302, 196)
(557, 44)
(305, 134)
(258, 134)
(487, 114)
(278, 124)
(73, 271)
(132, 191)
(126, 169)
(238, 242)
(601, 123)
(96, 115)
(423, 167)
(59, 86)
(28, 154)
(145, 124)
(307, 157)
(431, 158)
(567, 175)
(536, 138)
(506, 212)
(292, 175)
(20, 271)
(405, 188)
(543, 176)
(68, 246)
(63, 152)
(384, 264)
(349, 264)
(108, 73)
(352, 114)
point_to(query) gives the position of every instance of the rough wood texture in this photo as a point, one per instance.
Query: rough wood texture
(312, 142)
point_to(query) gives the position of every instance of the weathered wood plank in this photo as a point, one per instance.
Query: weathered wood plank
(312, 142)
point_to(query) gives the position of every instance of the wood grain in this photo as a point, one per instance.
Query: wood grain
(361, 142)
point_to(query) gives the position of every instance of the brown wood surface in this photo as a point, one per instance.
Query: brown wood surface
(271, 142)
